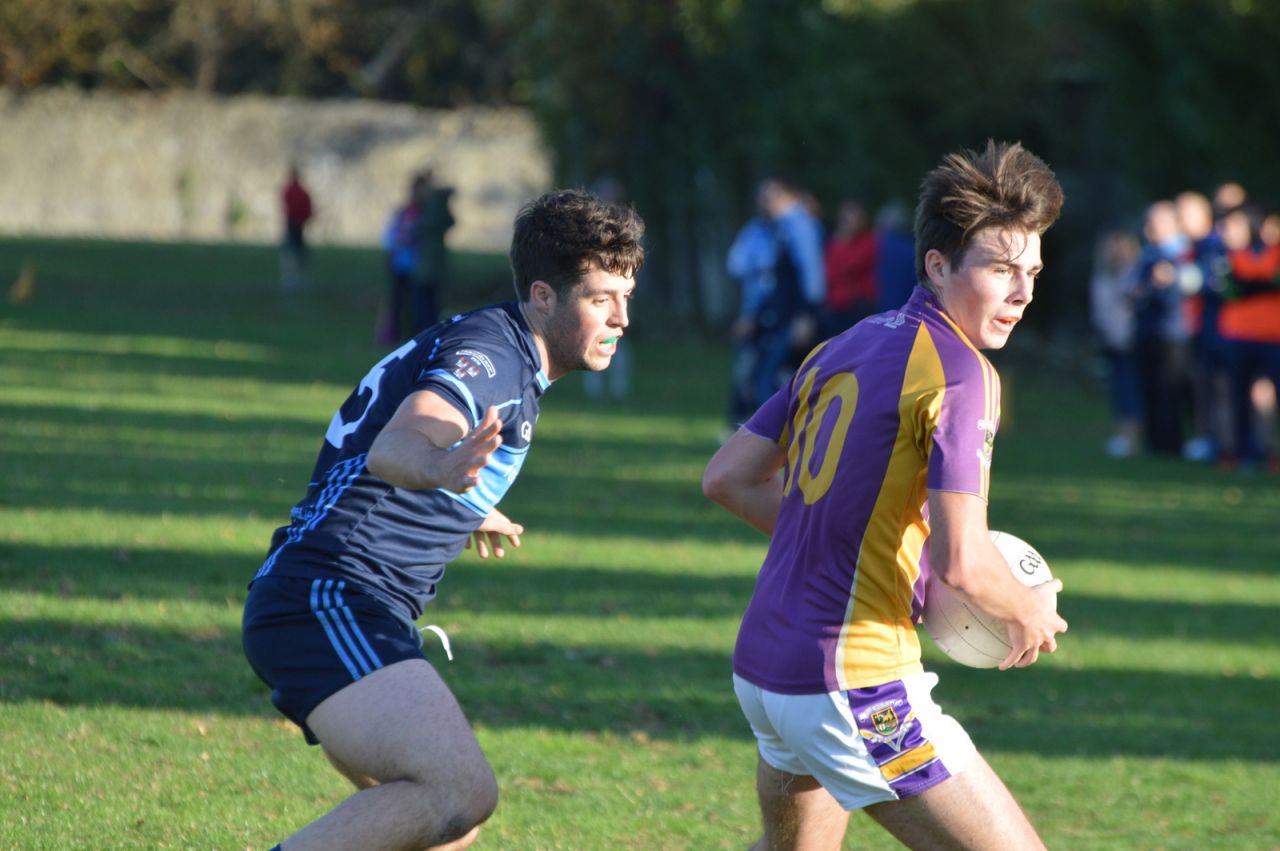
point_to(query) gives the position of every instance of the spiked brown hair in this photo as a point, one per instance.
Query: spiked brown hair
(1005, 186)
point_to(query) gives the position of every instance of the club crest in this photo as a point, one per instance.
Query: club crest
(887, 728)
(885, 720)
(470, 363)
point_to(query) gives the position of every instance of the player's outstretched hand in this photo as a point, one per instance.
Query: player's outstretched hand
(1038, 634)
(488, 538)
(465, 461)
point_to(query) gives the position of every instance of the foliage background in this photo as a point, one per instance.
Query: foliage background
(688, 102)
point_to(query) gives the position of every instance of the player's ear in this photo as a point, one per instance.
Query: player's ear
(936, 267)
(542, 297)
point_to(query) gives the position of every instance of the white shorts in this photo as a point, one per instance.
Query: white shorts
(865, 745)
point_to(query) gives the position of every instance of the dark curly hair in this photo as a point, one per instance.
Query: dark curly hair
(1005, 186)
(561, 235)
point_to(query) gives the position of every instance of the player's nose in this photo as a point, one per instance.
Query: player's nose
(1023, 288)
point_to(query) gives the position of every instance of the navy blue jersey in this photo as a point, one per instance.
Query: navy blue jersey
(395, 542)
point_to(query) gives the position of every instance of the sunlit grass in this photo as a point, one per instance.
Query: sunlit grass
(160, 410)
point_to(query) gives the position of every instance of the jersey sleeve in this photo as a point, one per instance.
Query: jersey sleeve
(473, 373)
(770, 420)
(964, 424)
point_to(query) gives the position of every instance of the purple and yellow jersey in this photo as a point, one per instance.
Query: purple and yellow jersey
(875, 418)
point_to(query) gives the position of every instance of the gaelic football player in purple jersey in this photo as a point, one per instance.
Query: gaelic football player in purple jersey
(410, 471)
(868, 470)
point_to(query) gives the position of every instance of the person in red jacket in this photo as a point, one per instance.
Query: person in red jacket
(296, 203)
(1250, 324)
(850, 259)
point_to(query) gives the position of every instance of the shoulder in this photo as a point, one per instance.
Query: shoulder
(489, 339)
(955, 362)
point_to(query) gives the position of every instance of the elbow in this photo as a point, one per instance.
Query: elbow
(712, 486)
(376, 464)
(953, 569)
(716, 485)
(969, 575)
(380, 462)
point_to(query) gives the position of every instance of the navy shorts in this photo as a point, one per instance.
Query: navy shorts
(310, 638)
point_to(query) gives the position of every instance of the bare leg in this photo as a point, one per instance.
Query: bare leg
(799, 815)
(972, 810)
(401, 738)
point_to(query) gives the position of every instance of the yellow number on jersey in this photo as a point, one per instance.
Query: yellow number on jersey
(842, 386)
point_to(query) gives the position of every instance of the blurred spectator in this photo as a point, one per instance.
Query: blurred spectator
(417, 258)
(1228, 198)
(1250, 324)
(850, 264)
(788, 318)
(1161, 333)
(751, 262)
(1209, 374)
(777, 261)
(1111, 293)
(895, 256)
(296, 204)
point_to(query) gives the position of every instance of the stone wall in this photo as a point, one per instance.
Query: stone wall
(188, 167)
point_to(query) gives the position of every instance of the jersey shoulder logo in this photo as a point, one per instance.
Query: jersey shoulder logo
(468, 363)
(988, 429)
(897, 320)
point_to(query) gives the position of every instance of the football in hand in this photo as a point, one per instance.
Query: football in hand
(967, 634)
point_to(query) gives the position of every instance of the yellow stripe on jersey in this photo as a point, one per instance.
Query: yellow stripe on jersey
(878, 619)
(909, 761)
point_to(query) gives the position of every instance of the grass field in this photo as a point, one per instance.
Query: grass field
(160, 408)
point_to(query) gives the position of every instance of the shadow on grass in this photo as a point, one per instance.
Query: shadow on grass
(1052, 711)
(1241, 623)
(123, 573)
(475, 587)
(470, 588)
(666, 693)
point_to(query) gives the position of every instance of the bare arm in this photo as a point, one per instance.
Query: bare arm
(743, 477)
(413, 449)
(963, 557)
(412, 452)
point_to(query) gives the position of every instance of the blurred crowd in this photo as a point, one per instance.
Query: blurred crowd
(1188, 316)
(801, 282)
(1186, 309)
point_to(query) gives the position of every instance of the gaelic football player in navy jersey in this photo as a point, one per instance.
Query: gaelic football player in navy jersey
(411, 470)
(869, 469)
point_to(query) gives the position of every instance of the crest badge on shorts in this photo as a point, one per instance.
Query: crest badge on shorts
(885, 720)
(886, 726)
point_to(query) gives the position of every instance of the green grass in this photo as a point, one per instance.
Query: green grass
(160, 407)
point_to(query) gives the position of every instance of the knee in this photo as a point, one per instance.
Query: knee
(471, 802)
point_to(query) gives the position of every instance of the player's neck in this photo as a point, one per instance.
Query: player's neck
(539, 337)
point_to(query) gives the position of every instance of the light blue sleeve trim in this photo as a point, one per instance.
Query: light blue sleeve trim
(463, 390)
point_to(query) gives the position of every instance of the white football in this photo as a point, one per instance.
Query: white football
(966, 634)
